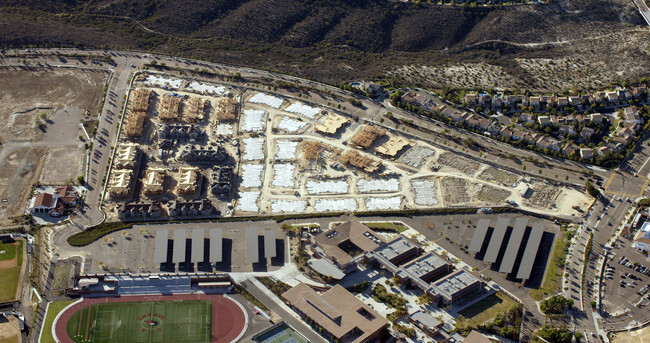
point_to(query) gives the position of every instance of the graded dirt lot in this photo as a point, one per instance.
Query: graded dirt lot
(56, 99)
(9, 330)
(636, 336)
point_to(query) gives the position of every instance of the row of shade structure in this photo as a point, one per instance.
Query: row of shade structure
(513, 247)
(198, 238)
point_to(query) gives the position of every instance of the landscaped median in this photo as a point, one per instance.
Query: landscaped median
(53, 309)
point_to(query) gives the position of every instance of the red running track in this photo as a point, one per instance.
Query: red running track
(228, 320)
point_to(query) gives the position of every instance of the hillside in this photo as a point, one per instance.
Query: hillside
(339, 40)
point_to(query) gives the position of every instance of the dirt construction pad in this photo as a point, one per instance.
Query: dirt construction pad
(42, 108)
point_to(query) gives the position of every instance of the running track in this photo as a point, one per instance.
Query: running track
(228, 320)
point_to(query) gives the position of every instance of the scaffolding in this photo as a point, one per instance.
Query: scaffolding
(366, 136)
(195, 110)
(135, 124)
(140, 100)
(314, 151)
(365, 163)
(226, 109)
(170, 107)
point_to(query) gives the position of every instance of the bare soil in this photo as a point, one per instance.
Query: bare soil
(63, 95)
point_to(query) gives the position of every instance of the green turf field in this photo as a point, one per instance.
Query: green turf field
(168, 321)
(9, 277)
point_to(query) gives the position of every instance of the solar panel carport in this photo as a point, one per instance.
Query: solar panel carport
(513, 245)
(479, 235)
(496, 240)
(179, 245)
(160, 249)
(198, 236)
(216, 245)
(530, 253)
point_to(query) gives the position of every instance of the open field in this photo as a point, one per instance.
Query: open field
(188, 321)
(43, 108)
(485, 310)
(10, 275)
(636, 336)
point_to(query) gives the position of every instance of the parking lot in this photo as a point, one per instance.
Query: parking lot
(133, 250)
(626, 286)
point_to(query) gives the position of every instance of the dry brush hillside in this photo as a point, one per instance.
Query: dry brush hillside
(545, 46)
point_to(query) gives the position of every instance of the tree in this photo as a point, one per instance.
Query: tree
(80, 179)
(591, 190)
(555, 304)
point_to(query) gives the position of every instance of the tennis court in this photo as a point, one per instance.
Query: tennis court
(279, 333)
(153, 321)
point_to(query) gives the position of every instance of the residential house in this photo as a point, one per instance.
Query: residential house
(639, 92)
(494, 128)
(623, 94)
(570, 119)
(569, 148)
(548, 100)
(575, 101)
(483, 123)
(632, 115)
(554, 144)
(497, 102)
(518, 135)
(616, 148)
(612, 97)
(597, 118)
(567, 130)
(581, 118)
(510, 100)
(554, 119)
(544, 120)
(523, 100)
(507, 132)
(535, 102)
(600, 97)
(484, 99)
(527, 118)
(603, 151)
(586, 154)
(562, 101)
(531, 138)
(587, 133)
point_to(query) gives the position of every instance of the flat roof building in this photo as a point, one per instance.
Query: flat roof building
(457, 285)
(426, 322)
(427, 267)
(398, 250)
(338, 312)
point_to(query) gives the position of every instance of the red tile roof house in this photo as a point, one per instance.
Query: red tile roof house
(54, 204)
